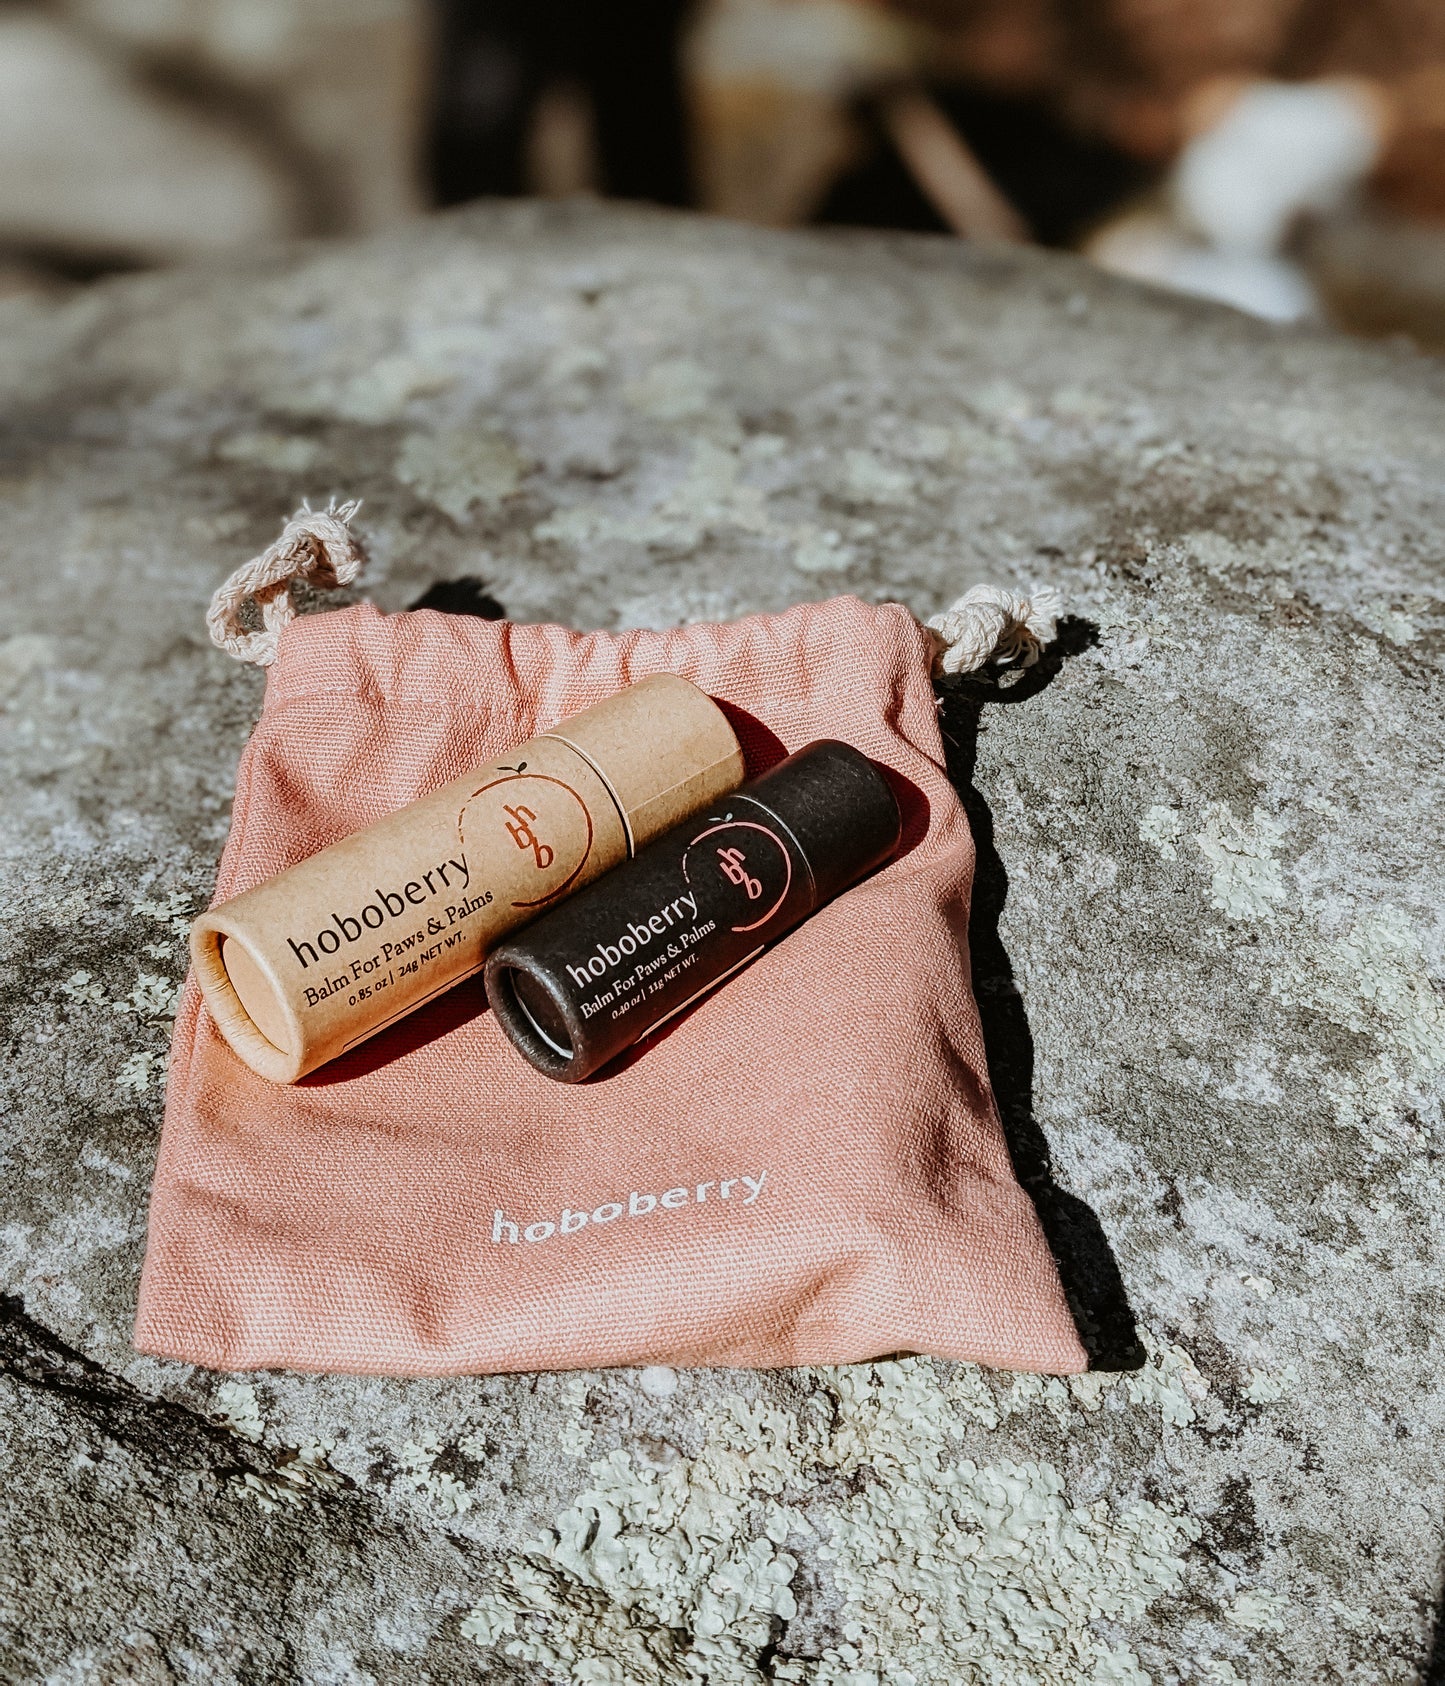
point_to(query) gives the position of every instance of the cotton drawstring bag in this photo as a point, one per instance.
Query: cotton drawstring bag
(809, 1169)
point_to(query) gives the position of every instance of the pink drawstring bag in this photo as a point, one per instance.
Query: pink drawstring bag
(808, 1170)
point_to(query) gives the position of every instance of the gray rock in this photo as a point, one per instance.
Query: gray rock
(1208, 947)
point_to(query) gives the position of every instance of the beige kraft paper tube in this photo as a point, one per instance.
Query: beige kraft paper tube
(328, 953)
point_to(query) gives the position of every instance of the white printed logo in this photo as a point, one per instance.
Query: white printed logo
(638, 1206)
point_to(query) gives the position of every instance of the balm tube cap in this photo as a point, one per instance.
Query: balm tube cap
(838, 808)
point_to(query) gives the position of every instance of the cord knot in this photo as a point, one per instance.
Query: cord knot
(989, 623)
(315, 545)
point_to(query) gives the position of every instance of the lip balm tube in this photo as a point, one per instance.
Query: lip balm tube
(596, 975)
(341, 945)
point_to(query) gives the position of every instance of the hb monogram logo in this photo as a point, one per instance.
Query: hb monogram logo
(731, 846)
(519, 827)
(733, 863)
(547, 821)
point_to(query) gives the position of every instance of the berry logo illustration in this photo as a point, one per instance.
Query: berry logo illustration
(752, 858)
(547, 822)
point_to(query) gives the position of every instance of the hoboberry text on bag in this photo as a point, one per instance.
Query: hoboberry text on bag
(637, 1206)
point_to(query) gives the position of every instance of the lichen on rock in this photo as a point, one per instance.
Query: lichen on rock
(945, 1572)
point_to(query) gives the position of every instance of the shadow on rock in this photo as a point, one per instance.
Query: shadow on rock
(466, 595)
(1087, 1266)
(1434, 1674)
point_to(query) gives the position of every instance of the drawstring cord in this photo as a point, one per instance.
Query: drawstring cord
(992, 624)
(315, 545)
(986, 624)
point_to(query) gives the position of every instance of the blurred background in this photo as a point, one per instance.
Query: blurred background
(1287, 156)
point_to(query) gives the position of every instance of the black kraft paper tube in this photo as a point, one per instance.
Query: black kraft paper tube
(595, 976)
